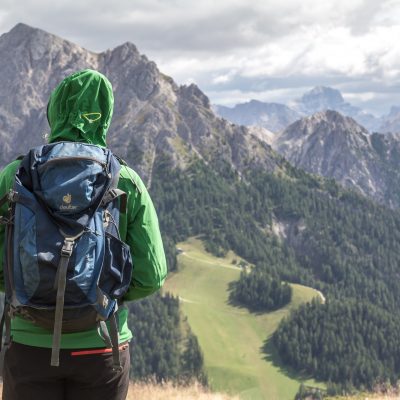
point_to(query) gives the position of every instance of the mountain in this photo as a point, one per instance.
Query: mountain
(272, 116)
(391, 122)
(167, 118)
(323, 98)
(332, 145)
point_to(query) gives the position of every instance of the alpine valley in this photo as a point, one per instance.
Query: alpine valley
(220, 188)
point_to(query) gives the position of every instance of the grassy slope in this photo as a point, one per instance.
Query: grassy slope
(231, 337)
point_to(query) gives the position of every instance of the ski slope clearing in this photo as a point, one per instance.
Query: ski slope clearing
(232, 338)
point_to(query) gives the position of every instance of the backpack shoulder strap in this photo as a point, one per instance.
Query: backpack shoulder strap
(6, 197)
(132, 178)
(121, 161)
(111, 195)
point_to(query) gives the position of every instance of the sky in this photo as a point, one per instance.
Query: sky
(237, 50)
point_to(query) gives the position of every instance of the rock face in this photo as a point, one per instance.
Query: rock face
(335, 146)
(272, 116)
(152, 115)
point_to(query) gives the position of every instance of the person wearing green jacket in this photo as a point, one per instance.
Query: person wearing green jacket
(80, 110)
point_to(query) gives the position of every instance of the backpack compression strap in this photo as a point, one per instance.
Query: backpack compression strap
(61, 280)
(110, 337)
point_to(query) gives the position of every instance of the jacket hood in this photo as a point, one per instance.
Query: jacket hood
(80, 108)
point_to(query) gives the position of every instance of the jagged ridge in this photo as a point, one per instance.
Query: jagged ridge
(152, 114)
(335, 146)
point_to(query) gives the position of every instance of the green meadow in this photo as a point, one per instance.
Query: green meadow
(232, 338)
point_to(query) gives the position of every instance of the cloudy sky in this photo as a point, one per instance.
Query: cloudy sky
(236, 50)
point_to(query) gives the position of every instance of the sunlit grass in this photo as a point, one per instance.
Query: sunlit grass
(232, 338)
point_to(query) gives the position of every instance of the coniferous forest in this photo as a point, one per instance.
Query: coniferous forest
(259, 292)
(335, 241)
(353, 342)
(159, 350)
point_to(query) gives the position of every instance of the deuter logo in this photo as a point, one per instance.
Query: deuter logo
(67, 200)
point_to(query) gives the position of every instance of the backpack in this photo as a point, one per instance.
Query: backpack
(65, 267)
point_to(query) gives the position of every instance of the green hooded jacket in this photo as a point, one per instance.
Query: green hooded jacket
(80, 110)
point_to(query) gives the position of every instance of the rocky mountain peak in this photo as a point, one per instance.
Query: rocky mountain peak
(126, 51)
(330, 144)
(321, 98)
(23, 31)
(324, 127)
(24, 37)
(331, 121)
(193, 93)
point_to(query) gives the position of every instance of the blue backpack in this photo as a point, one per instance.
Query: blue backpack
(65, 266)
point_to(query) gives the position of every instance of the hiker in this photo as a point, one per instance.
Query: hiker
(79, 113)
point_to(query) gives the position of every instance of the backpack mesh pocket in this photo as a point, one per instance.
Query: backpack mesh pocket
(117, 267)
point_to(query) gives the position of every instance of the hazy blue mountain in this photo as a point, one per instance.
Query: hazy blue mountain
(323, 98)
(272, 116)
(276, 117)
(391, 122)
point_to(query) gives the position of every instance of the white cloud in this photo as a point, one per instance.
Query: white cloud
(224, 78)
(218, 44)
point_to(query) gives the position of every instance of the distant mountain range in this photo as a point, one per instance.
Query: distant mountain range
(272, 116)
(276, 117)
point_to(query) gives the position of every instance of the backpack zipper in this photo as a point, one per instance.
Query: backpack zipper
(75, 158)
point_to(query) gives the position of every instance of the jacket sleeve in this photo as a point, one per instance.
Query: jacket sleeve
(6, 183)
(144, 238)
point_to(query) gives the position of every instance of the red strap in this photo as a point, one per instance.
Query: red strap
(95, 351)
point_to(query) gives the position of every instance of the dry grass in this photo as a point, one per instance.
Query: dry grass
(369, 396)
(167, 391)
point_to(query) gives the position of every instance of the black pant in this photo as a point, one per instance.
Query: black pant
(82, 375)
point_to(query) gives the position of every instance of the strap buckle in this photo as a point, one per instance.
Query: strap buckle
(12, 196)
(67, 248)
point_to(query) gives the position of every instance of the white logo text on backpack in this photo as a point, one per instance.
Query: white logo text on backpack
(67, 200)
